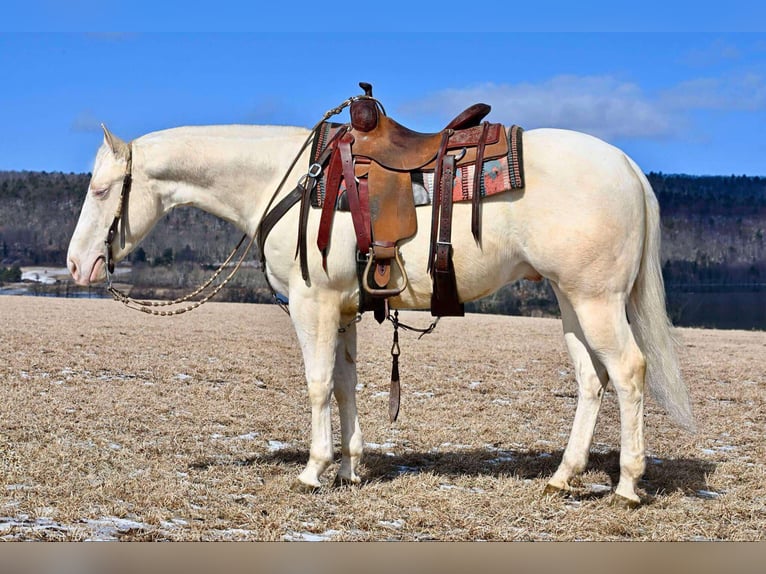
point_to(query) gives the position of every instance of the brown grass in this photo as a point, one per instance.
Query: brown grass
(114, 424)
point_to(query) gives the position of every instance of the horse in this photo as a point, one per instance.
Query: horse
(587, 221)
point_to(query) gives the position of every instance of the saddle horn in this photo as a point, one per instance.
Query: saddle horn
(364, 111)
(367, 88)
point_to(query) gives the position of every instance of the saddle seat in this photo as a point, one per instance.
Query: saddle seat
(397, 147)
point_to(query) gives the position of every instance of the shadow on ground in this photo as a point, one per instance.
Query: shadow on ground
(660, 478)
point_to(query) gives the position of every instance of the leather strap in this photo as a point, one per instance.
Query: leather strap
(437, 197)
(477, 178)
(277, 213)
(361, 223)
(445, 217)
(334, 174)
(444, 299)
(394, 389)
(301, 247)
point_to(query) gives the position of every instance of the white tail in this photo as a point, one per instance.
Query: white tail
(649, 320)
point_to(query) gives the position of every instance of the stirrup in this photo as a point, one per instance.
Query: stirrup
(385, 292)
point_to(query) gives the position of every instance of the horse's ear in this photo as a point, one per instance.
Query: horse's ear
(115, 144)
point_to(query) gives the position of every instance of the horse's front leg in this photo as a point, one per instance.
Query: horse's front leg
(316, 317)
(345, 379)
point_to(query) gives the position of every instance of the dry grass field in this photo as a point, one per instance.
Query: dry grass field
(118, 425)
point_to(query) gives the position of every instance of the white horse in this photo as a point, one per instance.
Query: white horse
(588, 221)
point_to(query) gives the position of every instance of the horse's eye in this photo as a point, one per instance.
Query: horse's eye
(99, 193)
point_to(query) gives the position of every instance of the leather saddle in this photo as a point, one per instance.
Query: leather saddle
(375, 157)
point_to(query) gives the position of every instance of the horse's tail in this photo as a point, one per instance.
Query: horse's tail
(649, 319)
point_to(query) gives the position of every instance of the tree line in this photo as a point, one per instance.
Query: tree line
(712, 236)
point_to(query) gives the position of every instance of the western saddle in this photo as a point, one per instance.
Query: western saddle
(369, 167)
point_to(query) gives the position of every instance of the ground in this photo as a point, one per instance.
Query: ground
(118, 425)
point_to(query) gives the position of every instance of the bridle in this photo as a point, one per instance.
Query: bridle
(119, 216)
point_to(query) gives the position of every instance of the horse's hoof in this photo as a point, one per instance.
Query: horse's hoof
(342, 481)
(620, 501)
(551, 490)
(303, 488)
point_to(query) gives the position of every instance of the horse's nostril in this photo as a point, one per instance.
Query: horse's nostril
(72, 267)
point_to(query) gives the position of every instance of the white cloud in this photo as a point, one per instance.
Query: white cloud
(738, 93)
(600, 105)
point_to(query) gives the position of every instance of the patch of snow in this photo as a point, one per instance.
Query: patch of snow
(275, 445)
(708, 494)
(109, 528)
(396, 524)
(292, 536)
(38, 275)
(234, 533)
(377, 446)
(502, 455)
(595, 487)
(173, 523)
(183, 377)
(450, 445)
(22, 522)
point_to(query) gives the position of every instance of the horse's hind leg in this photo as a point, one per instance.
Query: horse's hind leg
(605, 326)
(591, 381)
(345, 393)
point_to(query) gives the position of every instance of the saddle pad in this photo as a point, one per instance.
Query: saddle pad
(498, 174)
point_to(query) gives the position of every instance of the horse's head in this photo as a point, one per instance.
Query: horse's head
(87, 256)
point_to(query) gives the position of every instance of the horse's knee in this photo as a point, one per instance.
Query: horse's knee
(320, 390)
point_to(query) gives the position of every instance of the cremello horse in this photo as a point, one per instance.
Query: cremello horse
(587, 221)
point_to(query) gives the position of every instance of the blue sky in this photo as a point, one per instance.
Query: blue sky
(677, 102)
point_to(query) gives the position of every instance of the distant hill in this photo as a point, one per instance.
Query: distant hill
(713, 236)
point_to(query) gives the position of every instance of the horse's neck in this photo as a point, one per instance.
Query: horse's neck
(228, 171)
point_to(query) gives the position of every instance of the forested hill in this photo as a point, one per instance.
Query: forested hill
(713, 226)
(712, 229)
